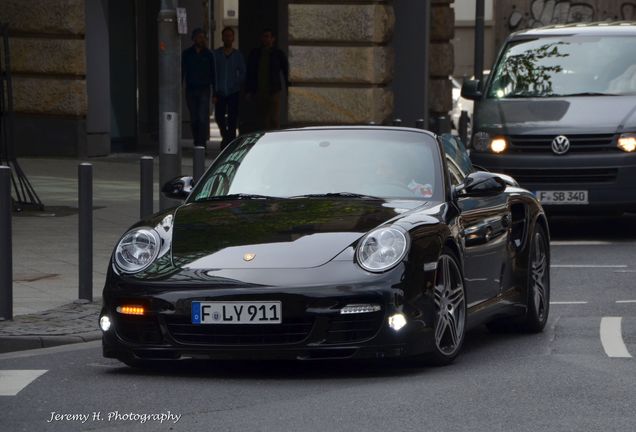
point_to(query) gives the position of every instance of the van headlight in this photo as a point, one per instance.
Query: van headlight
(627, 142)
(483, 142)
(382, 249)
(137, 249)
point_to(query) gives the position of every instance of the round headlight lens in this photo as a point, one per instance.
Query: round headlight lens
(382, 249)
(137, 249)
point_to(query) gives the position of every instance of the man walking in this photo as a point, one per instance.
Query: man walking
(264, 84)
(230, 74)
(197, 70)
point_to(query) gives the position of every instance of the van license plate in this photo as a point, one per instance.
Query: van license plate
(562, 197)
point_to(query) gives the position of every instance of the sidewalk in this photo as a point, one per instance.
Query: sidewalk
(45, 246)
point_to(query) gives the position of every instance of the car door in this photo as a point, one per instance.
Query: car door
(484, 223)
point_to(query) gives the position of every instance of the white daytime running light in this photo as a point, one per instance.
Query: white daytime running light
(397, 321)
(104, 323)
(359, 308)
(382, 249)
(137, 249)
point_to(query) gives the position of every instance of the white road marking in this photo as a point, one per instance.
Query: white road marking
(625, 301)
(579, 243)
(13, 381)
(611, 266)
(567, 302)
(624, 271)
(612, 338)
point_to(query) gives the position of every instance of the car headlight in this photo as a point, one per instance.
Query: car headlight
(137, 249)
(382, 249)
(483, 142)
(627, 143)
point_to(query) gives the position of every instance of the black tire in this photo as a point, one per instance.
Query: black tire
(538, 285)
(534, 320)
(450, 311)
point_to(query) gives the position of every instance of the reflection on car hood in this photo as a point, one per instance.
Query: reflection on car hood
(545, 116)
(280, 233)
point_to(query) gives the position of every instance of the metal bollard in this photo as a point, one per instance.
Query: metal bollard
(419, 123)
(371, 123)
(85, 197)
(146, 187)
(198, 163)
(397, 122)
(463, 127)
(443, 125)
(6, 256)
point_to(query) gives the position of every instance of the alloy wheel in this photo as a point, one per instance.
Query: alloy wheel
(538, 273)
(450, 308)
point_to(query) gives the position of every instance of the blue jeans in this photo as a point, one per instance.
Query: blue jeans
(227, 105)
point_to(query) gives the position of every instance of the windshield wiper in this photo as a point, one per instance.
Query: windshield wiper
(338, 194)
(236, 196)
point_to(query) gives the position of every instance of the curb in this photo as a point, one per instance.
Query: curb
(21, 343)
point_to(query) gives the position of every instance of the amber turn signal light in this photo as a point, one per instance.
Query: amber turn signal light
(130, 310)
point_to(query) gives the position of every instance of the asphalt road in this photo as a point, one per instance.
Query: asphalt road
(579, 375)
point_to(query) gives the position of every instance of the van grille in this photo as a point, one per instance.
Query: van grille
(578, 143)
(563, 175)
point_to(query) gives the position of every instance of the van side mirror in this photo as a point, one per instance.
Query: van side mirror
(178, 188)
(471, 89)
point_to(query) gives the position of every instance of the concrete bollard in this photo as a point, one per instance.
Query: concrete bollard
(198, 163)
(6, 254)
(146, 187)
(85, 204)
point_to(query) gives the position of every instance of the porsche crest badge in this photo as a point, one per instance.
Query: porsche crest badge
(249, 256)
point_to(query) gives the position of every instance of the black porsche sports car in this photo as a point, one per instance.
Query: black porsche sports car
(333, 242)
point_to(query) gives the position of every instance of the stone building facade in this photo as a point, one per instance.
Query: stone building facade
(351, 62)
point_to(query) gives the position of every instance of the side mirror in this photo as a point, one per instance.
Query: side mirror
(471, 89)
(178, 188)
(481, 184)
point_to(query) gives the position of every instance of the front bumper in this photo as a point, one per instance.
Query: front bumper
(608, 177)
(312, 326)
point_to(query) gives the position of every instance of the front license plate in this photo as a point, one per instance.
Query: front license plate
(236, 312)
(562, 197)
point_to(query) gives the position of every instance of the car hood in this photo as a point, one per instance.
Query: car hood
(547, 116)
(286, 233)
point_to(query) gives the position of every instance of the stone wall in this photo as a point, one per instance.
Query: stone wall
(47, 55)
(442, 57)
(48, 62)
(340, 62)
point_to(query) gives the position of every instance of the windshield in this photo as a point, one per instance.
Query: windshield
(566, 66)
(352, 163)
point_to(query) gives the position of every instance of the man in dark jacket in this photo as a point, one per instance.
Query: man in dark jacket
(197, 70)
(265, 66)
(230, 74)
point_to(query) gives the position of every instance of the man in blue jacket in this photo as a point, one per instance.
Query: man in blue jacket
(230, 74)
(197, 70)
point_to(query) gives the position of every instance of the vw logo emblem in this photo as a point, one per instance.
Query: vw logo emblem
(560, 145)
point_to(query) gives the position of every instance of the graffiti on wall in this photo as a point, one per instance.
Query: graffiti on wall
(547, 12)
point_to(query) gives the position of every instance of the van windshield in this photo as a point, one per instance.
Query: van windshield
(566, 66)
